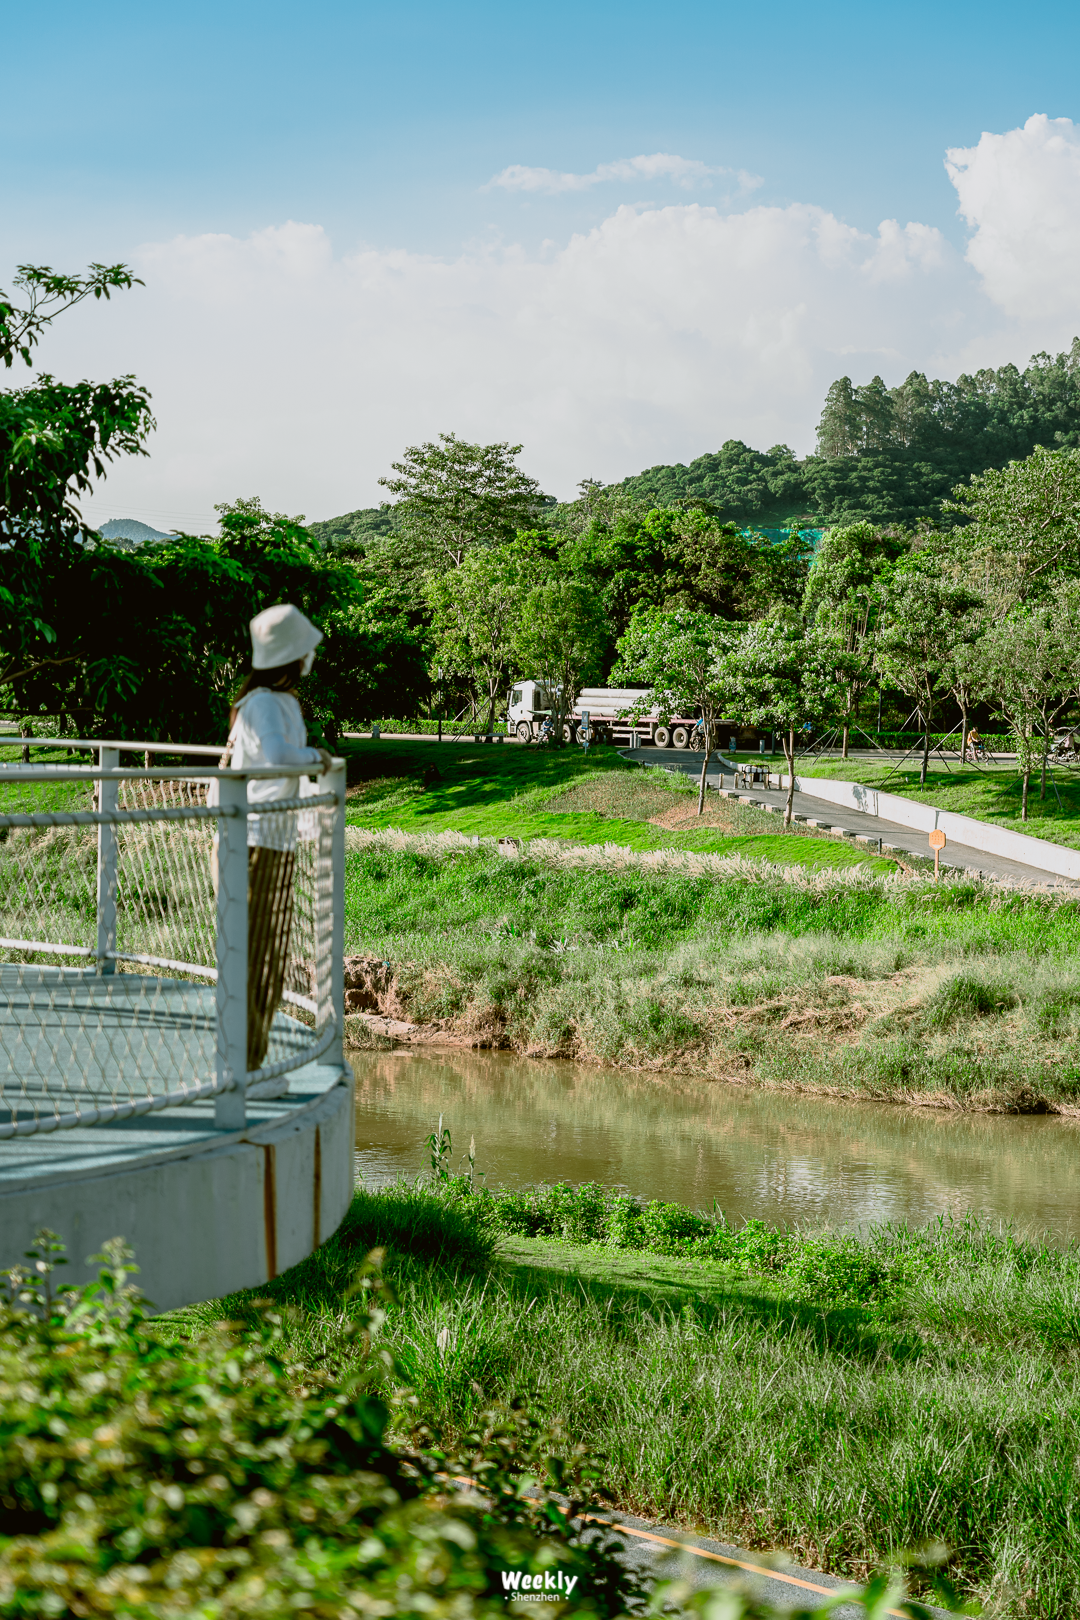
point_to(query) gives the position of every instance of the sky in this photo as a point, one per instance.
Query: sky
(618, 235)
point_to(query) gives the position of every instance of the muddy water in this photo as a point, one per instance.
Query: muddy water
(779, 1158)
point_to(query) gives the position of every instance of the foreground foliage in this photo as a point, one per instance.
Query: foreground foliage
(147, 1475)
(840, 1399)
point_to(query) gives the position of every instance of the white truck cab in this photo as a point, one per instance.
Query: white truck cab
(528, 704)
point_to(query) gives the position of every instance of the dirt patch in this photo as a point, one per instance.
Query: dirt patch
(722, 817)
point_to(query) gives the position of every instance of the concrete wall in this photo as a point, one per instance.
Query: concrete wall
(224, 1216)
(1034, 852)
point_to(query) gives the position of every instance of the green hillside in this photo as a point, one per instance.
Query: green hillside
(889, 456)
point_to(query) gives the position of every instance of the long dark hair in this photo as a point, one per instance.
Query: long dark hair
(281, 679)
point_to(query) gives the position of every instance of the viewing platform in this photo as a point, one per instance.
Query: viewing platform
(147, 1090)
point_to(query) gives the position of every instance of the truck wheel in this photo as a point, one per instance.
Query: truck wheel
(524, 730)
(680, 737)
(569, 732)
(661, 737)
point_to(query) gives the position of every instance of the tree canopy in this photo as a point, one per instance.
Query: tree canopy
(453, 495)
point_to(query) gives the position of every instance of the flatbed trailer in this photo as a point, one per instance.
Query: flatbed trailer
(529, 704)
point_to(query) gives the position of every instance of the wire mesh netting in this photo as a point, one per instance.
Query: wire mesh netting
(109, 948)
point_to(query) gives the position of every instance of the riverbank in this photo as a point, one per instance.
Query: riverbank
(841, 1400)
(962, 994)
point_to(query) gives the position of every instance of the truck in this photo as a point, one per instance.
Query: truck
(529, 704)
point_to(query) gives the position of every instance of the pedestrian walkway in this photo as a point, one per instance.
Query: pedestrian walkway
(872, 831)
(658, 1552)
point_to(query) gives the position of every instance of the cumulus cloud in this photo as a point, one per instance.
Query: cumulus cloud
(1020, 193)
(685, 172)
(284, 368)
(281, 368)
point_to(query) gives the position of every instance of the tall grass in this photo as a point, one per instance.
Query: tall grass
(965, 993)
(841, 1400)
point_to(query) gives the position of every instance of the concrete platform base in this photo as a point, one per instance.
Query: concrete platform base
(207, 1211)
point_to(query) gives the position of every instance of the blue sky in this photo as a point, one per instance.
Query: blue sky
(383, 126)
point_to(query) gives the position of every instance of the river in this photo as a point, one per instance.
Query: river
(770, 1155)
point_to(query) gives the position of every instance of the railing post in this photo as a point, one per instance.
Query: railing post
(335, 783)
(108, 799)
(230, 1107)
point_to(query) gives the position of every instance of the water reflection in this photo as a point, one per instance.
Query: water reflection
(778, 1157)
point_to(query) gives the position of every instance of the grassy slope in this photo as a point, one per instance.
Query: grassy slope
(843, 1408)
(992, 794)
(959, 994)
(490, 791)
(20, 799)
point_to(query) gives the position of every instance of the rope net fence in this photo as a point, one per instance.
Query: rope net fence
(156, 948)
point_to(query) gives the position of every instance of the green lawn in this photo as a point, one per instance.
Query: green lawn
(990, 794)
(26, 797)
(488, 790)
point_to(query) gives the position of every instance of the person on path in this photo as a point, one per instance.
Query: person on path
(267, 727)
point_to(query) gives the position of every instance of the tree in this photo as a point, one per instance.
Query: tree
(54, 439)
(841, 599)
(924, 615)
(781, 677)
(48, 294)
(151, 642)
(679, 655)
(475, 613)
(562, 633)
(453, 496)
(1025, 525)
(57, 586)
(374, 662)
(1030, 669)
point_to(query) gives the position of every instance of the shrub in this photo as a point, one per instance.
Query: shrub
(146, 1476)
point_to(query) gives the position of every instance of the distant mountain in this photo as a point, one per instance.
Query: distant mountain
(131, 530)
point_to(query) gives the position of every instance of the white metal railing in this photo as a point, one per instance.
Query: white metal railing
(149, 885)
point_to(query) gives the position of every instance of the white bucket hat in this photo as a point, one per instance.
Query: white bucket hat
(280, 635)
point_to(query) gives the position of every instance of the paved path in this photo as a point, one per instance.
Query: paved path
(659, 1552)
(874, 831)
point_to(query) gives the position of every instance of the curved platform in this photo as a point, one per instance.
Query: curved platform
(207, 1211)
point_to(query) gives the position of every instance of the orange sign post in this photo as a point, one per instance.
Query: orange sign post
(937, 844)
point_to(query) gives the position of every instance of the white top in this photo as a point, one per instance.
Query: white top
(270, 730)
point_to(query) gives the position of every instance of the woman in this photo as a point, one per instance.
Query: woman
(267, 727)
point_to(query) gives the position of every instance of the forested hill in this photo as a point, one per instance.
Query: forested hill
(352, 527)
(890, 455)
(887, 455)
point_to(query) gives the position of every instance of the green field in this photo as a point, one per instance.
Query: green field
(23, 798)
(492, 790)
(837, 1399)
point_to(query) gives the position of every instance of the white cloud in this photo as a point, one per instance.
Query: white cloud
(281, 368)
(1020, 192)
(685, 172)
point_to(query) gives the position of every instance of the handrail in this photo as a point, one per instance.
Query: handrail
(173, 773)
(18, 741)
